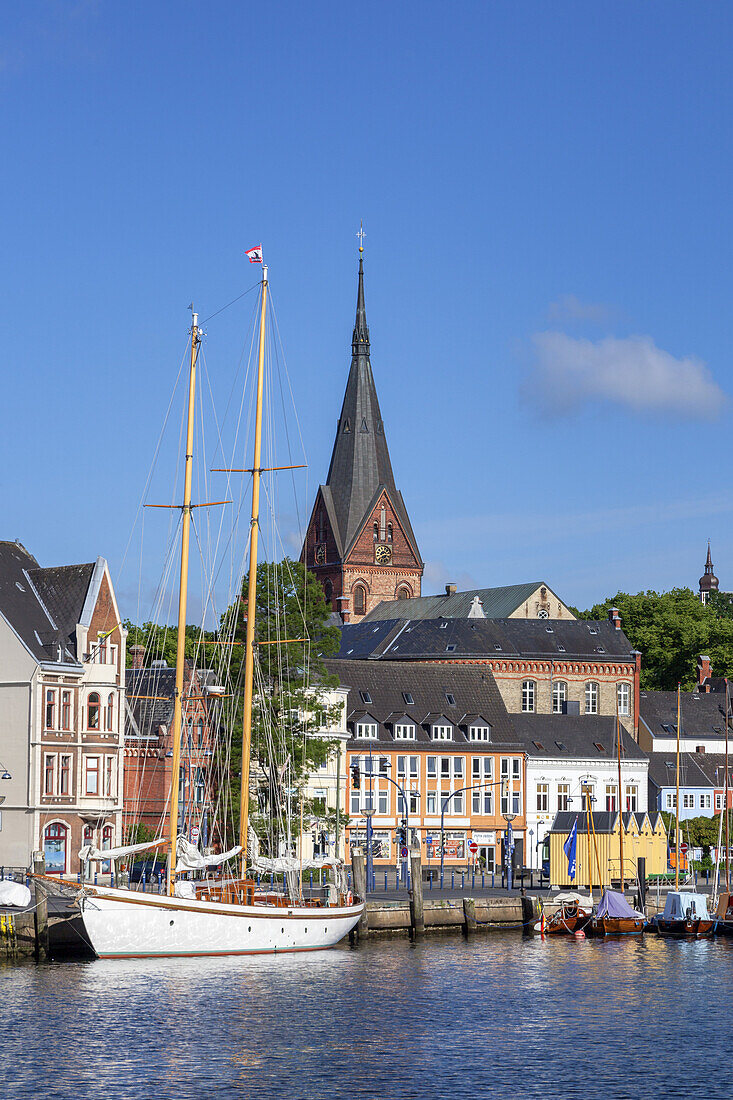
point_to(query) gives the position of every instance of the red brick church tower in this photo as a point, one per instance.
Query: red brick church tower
(359, 541)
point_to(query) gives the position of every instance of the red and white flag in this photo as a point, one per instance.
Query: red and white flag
(255, 254)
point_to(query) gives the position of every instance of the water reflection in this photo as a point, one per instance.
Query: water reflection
(501, 1016)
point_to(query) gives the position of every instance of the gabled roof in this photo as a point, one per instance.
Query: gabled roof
(703, 714)
(663, 770)
(560, 639)
(574, 735)
(497, 603)
(43, 606)
(360, 467)
(474, 690)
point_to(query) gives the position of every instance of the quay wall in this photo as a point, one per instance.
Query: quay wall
(491, 914)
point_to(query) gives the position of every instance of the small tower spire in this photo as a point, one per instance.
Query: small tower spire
(708, 581)
(360, 338)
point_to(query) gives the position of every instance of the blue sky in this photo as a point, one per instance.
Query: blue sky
(546, 192)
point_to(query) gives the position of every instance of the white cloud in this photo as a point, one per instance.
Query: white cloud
(632, 372)
(570, 308)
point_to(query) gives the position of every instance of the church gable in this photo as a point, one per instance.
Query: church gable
(321, 547)
(382, 539)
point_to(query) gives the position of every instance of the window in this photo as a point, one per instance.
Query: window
(705, 801)
(632, 798)
(591, 698)
(623, 694)
(403, 732)
(431, 803)
(389, 532)
(559, 696)
(367, 730)
(200, 734)
(528, 692)
(382, 802)
(482, 769)
(450, 698)
(355, 807)
(586, 794)
(718, 802)
(64, 775)
(516, 772)
(49, 783)
(671, 801)
(65, 710)
(54, 848)
(51, 709)
(401, 766)
(504, 800)
(93, 711)
(414, 796)
(442, 733)
(359, 599)
(483, 802)
(516, 802)
(688, 801)
(91, 784)
(110, 711)
(432, 767)
(611, 796)
(328, 591)
(407, 696)
(109, 774)
(365, 697)
(543, 797)
(445, 767)
(458, 767)
(479, 733)
(403, 593)
(457, 804)
(375, 532)
(414, 767)
(563, 796)
(505, 767)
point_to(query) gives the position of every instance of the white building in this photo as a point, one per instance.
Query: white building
(566, 753)
(62, 683)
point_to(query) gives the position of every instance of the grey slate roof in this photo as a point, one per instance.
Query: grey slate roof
(474, 691)
(454, 638)
(604, 821)
(43, 606)
(149, 693)
(712, 765)
(702, 714)
(573, 735)
(497, 603)
(360, 465)
(663, 770)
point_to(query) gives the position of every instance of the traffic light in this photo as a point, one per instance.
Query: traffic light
(402, 833)
(355, 777)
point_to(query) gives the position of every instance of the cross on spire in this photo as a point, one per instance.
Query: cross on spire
(361, 235)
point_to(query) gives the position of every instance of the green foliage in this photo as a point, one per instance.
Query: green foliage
(139, 834)
(671, 629)
(160, 642)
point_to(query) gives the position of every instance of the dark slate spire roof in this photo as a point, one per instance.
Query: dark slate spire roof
(360, 464)
(709, 581)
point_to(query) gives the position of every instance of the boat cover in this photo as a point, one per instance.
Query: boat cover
(565, 897)
(90, 852)
(14, 893)
(614, 904)
(677, 905)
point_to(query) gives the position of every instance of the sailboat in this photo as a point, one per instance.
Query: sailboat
(222, 916)
(614, 916)
(685, 912)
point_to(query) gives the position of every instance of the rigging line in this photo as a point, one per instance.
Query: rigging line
(155, 456)
(237, 299)
(274, 332)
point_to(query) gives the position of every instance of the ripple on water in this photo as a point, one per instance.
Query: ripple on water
(496, 1017)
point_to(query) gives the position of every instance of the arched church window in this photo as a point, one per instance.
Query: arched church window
(403, 592)
(359, 599)
(375, 534)
(328, 591)
(389, 532)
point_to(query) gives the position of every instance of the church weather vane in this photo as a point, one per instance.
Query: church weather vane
(361, 235)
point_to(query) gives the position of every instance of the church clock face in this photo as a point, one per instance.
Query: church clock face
(320, 554)
(382, 554)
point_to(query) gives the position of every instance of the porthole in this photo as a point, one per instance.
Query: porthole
(282, 929)
(250, 928)
(171, 924)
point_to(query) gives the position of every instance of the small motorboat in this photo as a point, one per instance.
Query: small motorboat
(685, 914)
(571, 915)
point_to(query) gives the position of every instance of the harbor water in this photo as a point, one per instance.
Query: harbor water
(496, 1016)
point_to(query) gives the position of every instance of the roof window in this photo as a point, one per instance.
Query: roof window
(560, 648)
(593, 629)
(365, 697)
(497, 647)
(599, 746)
(349, 651)
(600, 649)
(561, 746)
(549, 630)
(443, 625)
(449, 648)
(450, 698)
(407, 696)
(539, 745)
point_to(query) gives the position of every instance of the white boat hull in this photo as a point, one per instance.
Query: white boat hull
(122, 924)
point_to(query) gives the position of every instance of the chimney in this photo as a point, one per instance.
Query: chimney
(704, 673)
(344, 609)
(451, 589)
(137, 652)
(614, 617)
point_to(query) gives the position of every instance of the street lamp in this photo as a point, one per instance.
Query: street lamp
(509, 837)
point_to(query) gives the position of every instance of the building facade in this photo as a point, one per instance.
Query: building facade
(62, 683)
(425, 745)
(359, 542)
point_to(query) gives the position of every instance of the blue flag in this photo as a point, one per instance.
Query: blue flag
(569, 848)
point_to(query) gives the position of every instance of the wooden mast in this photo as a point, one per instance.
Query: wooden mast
(725, 790)
(620, 804)
(677, 801)
(182, 597)
(252, 588)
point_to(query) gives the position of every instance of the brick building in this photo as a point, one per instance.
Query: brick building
(359, 541)
(149, 749)
(62, 682)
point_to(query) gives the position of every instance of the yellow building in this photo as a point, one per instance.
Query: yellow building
(597, 851)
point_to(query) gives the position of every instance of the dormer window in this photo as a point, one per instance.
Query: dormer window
(366, 730)
(479, 733)
(404, 731)
(441, 733)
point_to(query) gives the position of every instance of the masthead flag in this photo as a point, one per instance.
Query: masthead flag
(569, 848)
(255, 254)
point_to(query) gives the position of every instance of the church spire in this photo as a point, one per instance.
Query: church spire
(708, 582)
(360, 338)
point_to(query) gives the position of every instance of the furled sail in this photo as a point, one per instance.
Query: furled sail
(89, 852)
(293, 863)
(189, 858)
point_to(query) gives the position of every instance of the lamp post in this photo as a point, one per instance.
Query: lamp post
(531, 849)
(384, 764)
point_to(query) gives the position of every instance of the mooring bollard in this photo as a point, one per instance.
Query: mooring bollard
(417, 918)
(452, 879)
(359, 871)
(469, 915)
(40, 913)
(430, 880)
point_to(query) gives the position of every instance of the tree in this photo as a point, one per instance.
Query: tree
(292, 639)
(160, 642)
(671, 629)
